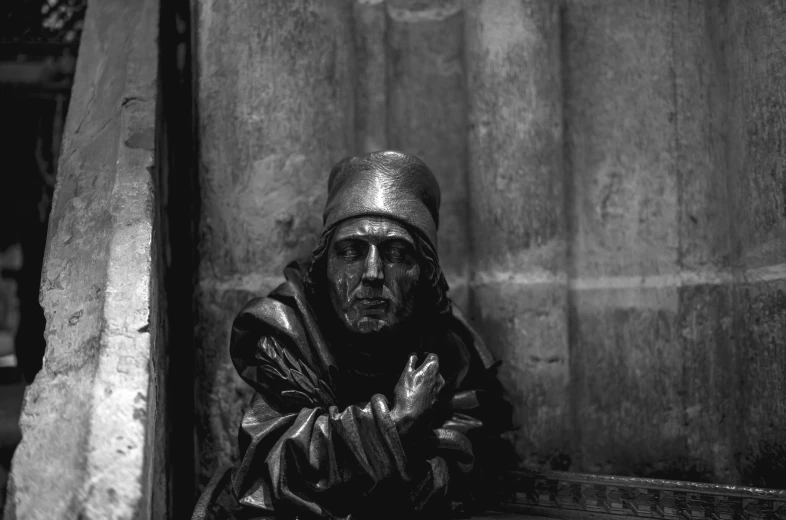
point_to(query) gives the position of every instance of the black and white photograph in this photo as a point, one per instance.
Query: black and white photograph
(392, 259)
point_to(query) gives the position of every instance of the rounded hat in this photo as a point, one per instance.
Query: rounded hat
(387, 184)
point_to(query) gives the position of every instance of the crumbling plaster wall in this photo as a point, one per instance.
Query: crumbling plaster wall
(613, 215)
(91, 421)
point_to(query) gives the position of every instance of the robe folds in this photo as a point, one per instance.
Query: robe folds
(317, 440)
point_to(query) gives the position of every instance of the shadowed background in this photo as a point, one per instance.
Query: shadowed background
(613, 208)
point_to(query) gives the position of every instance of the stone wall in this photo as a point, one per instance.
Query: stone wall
(613, 216)
(517, 221)
(275, 105)
(676, 230)
(91, 419)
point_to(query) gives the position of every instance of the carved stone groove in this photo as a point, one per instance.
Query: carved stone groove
(573, 495)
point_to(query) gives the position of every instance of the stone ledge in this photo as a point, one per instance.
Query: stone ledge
(569, 495)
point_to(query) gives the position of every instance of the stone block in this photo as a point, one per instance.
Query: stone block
(704, 196)
(709, 382)
(760, 330)
(524, 326)
(757, 128)
(620, 137)
(626, 378)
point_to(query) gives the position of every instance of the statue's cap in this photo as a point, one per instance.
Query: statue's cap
(386, 184)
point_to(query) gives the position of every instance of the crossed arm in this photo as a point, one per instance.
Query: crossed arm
(311, 459)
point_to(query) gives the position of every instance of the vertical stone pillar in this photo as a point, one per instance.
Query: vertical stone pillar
(427, 114)
(654, 365)
(754, 41)
(627, 361)
(90, 448)
(371, 94)
(275, 84)
(704, 327)
(516, 213)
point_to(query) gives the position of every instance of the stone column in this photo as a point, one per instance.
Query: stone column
(371, 94)
(516, 213)
(427, 114)
(754, 40)
(275, 86)
(707, 384)
(89, 448)
(627, 361)
(653, 356)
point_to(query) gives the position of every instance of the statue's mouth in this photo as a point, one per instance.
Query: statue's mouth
(367, 304)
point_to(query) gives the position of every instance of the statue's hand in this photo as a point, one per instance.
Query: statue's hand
(415, 393)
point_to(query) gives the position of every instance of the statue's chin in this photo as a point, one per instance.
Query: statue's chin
(375, 325)
(369, 325)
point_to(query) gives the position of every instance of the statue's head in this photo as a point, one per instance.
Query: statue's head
(376, 264)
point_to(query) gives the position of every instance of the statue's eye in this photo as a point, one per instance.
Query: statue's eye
(350, 253)
(349, 250)
(394, 255)
(397, 253)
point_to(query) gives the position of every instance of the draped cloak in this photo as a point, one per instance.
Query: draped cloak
(317, 440)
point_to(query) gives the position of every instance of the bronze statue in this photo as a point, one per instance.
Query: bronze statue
(374, 397)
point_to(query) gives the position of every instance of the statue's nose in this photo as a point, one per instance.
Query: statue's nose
(372, 271)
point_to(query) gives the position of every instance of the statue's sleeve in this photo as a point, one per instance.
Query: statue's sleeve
(471, 440)
(301, 454)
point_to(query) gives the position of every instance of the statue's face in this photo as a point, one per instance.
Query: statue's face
(373, 273)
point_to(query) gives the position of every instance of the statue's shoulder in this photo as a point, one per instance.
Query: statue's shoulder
(269, 314)
(285, 316)
(284, 310)
(275, 349)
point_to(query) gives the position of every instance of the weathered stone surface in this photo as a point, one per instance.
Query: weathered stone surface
(625, 359)
(657, 397)
(276, 112)
(371, 95)
(706, 245)
(619, 98)
(761, 330)
(756, 68)
(708, 383)
(276, 101)
(700, 120)
(525, 327)
(516, 212)
(225, 393)
(638, 367)
(86, 422)
(646, 145)
(677, 170)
